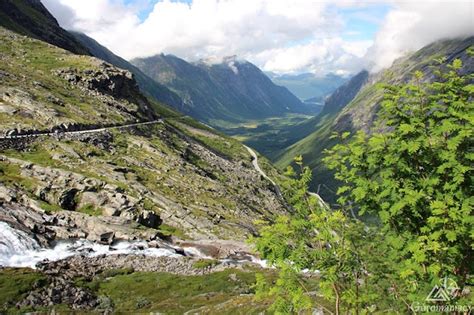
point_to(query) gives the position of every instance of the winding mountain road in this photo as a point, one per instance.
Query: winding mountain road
(256, 166)
(85, 131)
(258, 169)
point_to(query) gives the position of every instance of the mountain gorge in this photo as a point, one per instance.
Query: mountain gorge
(218, 93)
(308, 87)
(126, 187)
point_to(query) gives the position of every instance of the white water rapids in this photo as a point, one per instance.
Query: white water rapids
(18, 249)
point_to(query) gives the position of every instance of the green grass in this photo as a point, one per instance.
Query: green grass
(49, 208)
(15, 283)
(37, 154)
(10, 174)
(122, 290)
(90, 210)
(230, 148)
(169, 230)
(174, 294)
(268, 136)
(216, 141)
(205, 263)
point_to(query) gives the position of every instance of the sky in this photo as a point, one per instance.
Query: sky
(281, 36)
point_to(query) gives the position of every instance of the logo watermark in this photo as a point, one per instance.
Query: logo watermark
(444, 292)
(437, 300)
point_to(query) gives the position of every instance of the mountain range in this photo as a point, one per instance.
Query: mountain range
(113, 197)
(219, 93)
(100, 182)
(232, 90)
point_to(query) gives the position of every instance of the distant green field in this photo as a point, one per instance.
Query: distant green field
(267, 136)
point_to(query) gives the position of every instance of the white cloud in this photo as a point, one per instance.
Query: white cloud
(277, 35)
(319, 56)
(414, 24)
(64, 14)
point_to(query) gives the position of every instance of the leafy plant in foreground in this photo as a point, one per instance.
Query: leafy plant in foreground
(315, 243)
(416, 175)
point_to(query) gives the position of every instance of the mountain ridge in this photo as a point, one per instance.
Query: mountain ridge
(147, 85)
(31, 18)
(232, 90)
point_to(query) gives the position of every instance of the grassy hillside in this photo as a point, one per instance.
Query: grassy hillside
(38, 89)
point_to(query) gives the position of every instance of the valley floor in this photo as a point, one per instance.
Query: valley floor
(268, 136)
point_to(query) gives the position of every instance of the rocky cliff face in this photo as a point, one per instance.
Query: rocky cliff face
(42, 86)
(232, 90)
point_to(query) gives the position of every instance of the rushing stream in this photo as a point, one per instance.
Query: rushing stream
(18, 249)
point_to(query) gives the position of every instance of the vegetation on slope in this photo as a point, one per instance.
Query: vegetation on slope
(415, 175)
(201, 182)
(37, 89)
(14, 283)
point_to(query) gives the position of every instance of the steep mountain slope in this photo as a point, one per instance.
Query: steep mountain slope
(231, 91)
(31, 18)
(146, 84)
(361, 110)
(174, 170)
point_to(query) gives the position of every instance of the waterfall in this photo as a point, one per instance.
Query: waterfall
(14, 241)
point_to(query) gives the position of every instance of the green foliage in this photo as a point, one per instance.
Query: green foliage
(318, 241)
(416, 176)
(15, 283)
